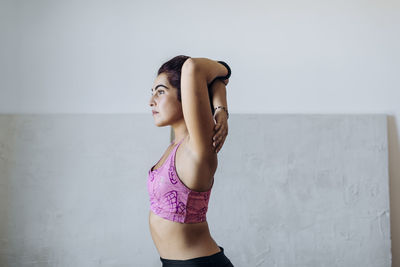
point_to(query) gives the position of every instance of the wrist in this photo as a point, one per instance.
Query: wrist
(222, 108)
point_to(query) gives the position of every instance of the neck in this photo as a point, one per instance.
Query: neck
(180, 130)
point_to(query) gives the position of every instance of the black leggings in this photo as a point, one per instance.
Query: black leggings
(215, 260)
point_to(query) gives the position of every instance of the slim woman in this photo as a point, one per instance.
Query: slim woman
(179, 184)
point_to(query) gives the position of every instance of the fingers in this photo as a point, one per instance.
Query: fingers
(220, 144)
(216, 142)
(219, 134)
(219, 137)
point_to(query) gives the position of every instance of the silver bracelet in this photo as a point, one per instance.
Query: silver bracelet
(224, 108)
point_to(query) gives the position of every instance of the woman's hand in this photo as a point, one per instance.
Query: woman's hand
(220, 129)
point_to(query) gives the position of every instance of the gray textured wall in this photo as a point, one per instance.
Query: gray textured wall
(290, 190)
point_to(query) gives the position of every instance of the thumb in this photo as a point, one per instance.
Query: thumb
(215, 118)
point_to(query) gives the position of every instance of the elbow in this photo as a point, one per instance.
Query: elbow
(188, 65)
(193, 68)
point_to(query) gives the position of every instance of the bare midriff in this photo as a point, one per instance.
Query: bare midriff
(179, 241)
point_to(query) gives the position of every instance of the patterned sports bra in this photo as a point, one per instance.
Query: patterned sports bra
(173, 200)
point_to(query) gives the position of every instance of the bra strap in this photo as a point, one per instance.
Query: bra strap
(179, 143)
(175, 148)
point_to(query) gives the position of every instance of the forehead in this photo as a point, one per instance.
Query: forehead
(163, 80)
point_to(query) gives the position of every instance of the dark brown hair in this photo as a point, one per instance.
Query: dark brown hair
(173, 69)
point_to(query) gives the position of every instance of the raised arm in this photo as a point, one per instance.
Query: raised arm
(218, 91)
(196, 74)
(208, 67)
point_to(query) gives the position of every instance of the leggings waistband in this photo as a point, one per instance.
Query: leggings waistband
(217, 258)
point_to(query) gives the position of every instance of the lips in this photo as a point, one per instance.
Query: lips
(154, 112)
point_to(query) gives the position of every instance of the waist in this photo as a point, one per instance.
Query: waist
(181, 241)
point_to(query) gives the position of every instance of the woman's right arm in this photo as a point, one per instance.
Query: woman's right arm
(210, 68)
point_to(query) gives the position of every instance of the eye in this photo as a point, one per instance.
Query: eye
(159, 90)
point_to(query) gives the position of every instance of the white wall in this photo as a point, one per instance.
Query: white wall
(286, 57)
(290, 190)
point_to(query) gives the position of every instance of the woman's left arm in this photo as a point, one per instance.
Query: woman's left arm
(218, 91)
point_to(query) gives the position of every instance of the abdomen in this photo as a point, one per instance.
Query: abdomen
(175, 240)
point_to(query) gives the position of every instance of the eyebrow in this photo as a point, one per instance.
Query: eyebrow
(158, 86)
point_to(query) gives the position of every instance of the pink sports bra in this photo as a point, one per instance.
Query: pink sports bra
(173, 200)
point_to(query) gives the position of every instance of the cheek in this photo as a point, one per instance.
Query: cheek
(167, 103)
(163, 104)
(170, 105)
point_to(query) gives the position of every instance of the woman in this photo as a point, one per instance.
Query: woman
(180, 183)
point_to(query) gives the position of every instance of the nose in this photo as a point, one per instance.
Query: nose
(151, 102)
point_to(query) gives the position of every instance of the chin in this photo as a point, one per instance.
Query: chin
(160, 124)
